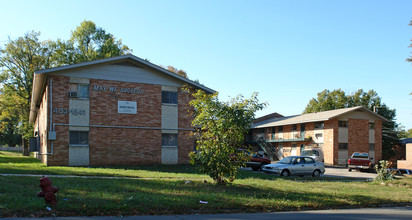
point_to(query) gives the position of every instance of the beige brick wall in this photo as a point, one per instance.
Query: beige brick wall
(406, 164)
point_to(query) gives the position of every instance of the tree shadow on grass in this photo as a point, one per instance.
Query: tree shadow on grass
(91, 197)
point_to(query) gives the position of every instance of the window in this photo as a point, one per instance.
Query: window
(302, 127)
(371, 125)
(79, 138)
(309, 160)
(319, 125)
(273, 132)
(294, 127)
(343, 124)
(280, 129)
(169, 139)
(79, 91)
(169, 97)
(343, 146)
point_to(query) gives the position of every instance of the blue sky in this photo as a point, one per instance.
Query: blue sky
(287, 51)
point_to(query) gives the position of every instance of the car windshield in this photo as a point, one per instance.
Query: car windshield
(286, 160)
(359, 155)
(308, 153)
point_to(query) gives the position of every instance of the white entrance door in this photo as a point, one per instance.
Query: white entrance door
(372, 153)
(280, 151)
(343, 157)
(294, 151)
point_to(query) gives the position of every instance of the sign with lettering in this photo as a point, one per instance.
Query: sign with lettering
(113, 89)
(126, 107)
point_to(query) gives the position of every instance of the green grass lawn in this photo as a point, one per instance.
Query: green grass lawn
(166, 190)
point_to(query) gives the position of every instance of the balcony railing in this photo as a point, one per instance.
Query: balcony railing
(296, 136)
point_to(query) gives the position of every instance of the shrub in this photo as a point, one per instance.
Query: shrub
(383, 171)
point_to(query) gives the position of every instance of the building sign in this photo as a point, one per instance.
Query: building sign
(126, 107)
(114, 89)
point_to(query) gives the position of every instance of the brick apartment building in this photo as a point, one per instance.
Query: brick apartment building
(338, 133)
(116, 111)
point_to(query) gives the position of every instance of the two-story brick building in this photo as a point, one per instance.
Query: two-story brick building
(338, 133)
(116, 111)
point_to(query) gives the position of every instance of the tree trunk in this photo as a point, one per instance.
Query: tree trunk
(26, 151)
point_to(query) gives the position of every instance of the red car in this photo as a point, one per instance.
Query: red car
(360, 161)
(257, 161)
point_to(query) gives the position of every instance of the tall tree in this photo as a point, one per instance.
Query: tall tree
(327, 100)
(406, 134)
(222, 126)
(89, 42)
(330, 100)
(18, 61)
(21, 57)
(177, 71)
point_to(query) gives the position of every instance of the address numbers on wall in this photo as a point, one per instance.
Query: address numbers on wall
(73, 111)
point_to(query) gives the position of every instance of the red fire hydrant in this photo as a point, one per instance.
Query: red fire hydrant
(48, 191)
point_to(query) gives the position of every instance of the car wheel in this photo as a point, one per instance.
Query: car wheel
(349, 169)
(316, 173)
(285, 173)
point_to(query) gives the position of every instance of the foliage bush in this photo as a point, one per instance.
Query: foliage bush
(220, 135)
(384, 174)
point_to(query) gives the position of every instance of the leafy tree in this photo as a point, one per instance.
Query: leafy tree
(405, 134)
(327, 100)
(9, 118)
(18, 61)
(89, 42)
(178, 72)
(222, 126)
(21, 57)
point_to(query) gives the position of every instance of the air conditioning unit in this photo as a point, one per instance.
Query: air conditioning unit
(73, 94)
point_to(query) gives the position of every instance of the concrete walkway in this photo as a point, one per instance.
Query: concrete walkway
(341, 214)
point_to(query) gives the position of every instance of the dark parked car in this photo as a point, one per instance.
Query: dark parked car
(257, 161)
(400, 172)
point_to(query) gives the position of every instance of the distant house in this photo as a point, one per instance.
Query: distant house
(338, 133)
(407, 162)
(116, 111)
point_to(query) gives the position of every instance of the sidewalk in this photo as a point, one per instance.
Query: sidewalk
(342, 214)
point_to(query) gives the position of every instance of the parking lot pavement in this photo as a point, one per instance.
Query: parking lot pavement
(343, 172)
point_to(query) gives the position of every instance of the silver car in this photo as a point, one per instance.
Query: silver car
(296, 165)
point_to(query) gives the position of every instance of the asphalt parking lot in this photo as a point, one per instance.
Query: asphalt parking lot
(343, 172)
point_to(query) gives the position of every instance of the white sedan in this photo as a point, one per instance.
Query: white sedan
(296, 165)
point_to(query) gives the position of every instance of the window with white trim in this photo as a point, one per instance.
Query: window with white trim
(79, 91)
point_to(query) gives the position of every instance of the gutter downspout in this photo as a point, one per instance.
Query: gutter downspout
(51, 118)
